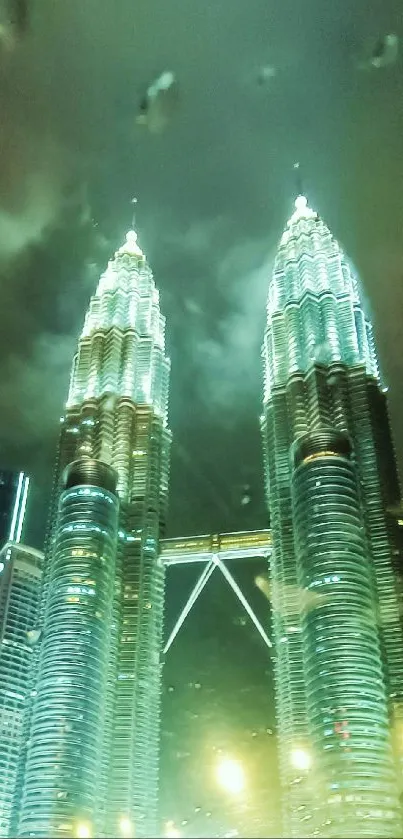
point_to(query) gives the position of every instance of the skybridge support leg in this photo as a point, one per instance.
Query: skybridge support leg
(235, 587)
(203, 579)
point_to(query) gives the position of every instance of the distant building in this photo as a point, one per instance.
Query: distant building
(105, 678)
(20, 584)
(13, 500)
(333, 495)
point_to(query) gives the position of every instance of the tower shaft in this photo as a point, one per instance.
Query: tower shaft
(69, 730)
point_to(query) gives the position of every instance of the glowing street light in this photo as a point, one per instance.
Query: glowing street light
(301, 759)
(230, 775)
(126, 828)
(171, 832)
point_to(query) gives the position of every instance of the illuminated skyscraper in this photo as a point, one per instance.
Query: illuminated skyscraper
(20, 585)
(92, 764)
(13, 501)
(333, 495)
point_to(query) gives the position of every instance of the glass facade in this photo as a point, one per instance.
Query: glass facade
(333, 494)
(20, 585)
(63, 774)
(116, 414)
(350, 746)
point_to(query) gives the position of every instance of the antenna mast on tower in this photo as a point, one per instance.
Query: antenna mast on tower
(298, 180)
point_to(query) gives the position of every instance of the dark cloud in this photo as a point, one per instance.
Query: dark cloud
(43, 285)
(222, 345)
(32, 191)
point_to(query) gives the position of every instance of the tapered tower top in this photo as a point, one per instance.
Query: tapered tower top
(315, 312)
(131, 246)
(121, 350)
(302, 210)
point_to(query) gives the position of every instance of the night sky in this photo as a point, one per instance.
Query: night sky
(214, 191)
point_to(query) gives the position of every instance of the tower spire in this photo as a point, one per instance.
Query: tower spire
(298, 180)
(301, 204)
(133, 203)
(131, 246)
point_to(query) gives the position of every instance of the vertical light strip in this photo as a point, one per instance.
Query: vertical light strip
(16, 507)
(21, 516)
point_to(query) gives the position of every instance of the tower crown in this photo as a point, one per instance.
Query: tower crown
(314, 309)
(122, 345)
(301, 210)
(131, 246)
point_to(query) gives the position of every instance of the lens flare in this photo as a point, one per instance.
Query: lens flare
(230, 775)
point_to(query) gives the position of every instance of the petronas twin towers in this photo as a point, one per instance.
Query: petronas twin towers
(91, 765)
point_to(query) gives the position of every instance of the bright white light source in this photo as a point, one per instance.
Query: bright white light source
(230, 775)
(130, 246)
(301, 204)
(126, 827)
(131, 241)
(301, 210)
(301, 759)
(171, 832)
(16, 506)
(83, 831)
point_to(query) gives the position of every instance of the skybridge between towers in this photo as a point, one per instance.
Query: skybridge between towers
(214, 552)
